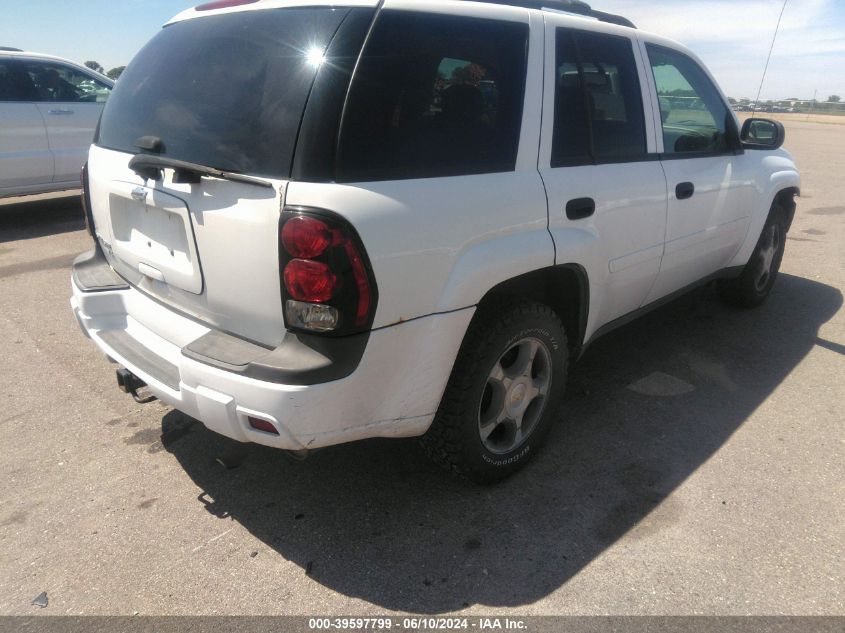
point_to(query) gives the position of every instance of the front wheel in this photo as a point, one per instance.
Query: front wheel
(754, 284)
(503, 394)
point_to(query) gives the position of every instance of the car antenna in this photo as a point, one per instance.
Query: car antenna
(766, 67)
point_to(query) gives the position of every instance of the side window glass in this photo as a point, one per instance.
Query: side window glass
(695, 119)
(58, 83)
(598, 102)
(15, 83)
(434, 95)
(90, 90)
(571, 136)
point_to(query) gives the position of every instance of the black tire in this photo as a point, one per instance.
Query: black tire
(754, 284)
(455, 438)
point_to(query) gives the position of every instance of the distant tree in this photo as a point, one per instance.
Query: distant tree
(95, 66)
(114, 73)
(793, 99)
(732, 101)
(834, 99)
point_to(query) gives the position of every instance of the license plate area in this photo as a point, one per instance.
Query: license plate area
(152, 232)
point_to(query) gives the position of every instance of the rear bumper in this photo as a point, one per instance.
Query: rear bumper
(393, 391)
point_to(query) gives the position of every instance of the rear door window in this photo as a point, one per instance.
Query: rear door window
(598, 101)
(226, 91)
(434, 95)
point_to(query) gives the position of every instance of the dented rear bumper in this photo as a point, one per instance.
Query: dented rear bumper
(388, 384)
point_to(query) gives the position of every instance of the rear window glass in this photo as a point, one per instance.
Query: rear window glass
(226, 91)
(434, 95)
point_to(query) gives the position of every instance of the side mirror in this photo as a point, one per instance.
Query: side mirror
(762, 134)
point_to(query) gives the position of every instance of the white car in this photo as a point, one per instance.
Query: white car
(321, 222)
(49, 108)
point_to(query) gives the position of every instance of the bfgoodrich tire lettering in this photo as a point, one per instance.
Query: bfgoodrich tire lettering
(504, 392)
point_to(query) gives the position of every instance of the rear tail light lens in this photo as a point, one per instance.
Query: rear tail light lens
(306, 237)
(327, 282)
(307, 280)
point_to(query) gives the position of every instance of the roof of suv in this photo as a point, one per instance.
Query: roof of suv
(578, 7)
(575, 7)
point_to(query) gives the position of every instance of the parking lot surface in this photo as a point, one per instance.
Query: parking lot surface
(698, 467)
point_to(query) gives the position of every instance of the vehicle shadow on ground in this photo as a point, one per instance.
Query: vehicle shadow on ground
(37, 218)
(375, 521)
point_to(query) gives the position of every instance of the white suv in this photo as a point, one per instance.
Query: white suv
(49, 108)
(317, 224)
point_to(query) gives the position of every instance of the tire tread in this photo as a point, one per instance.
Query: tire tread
(443, 443)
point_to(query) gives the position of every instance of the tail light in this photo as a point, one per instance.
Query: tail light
(86, 202)
(327, 281)
(307, 280)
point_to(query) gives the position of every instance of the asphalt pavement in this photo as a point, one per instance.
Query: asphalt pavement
(698, 468)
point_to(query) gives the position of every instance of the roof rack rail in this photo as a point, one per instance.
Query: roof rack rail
(10, 49)
(570, 6)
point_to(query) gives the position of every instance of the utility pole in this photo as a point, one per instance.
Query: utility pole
(812, 104)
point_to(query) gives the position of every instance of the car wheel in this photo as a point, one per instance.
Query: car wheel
(504, 392)
(754, 284)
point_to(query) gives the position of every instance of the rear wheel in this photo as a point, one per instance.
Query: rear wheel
(751, 288)
(504, 392)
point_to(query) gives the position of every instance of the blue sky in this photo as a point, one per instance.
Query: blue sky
(731, 36)
(733, 39)
(108, 31)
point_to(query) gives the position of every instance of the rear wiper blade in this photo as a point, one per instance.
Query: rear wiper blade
(149, 166)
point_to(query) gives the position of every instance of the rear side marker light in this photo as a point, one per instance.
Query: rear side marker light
(223, 4)
(360, 274)
(262, 425)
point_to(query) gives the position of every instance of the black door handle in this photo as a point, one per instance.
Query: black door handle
(684, 190)
(580, 208)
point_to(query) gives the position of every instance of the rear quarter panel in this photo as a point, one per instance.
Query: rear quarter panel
(439, 244)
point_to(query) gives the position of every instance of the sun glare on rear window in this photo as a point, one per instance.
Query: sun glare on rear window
(314, 56)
